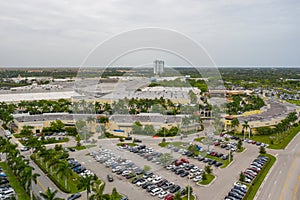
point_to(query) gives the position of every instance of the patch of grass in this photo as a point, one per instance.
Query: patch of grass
(296, 102)
(129, 144)
(240, 150)
(226, 163)
(199, 139)
(163, 144)
(210, 178)
(78, 148)
(177, 144)
(15, 183)
(186, 197)
(260, 177)
(90, 146)
(284, 140)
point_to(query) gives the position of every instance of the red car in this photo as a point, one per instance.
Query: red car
(253, 142)
(169, 197)
(178, 162)
(213, 153)
(184, 160)
(217, 143)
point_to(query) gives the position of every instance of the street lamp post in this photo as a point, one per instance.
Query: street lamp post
(189, 186)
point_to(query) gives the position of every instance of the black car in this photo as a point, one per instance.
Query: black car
(146, 185)
(110, 178)
(135, 180)
(200, 158)
(218, 164)
(72, 149)
(74, 196)
(189, 154)
(179, 171)
(184, 174)
(175, 188)
(128, 138)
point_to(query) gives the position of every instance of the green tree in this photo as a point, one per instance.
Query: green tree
(235, 123)
(99, 193)
(208, 169)
(57, 126)
(63, 170)
(49, 195)
(242, 177)
(239, 145)
(262, 150)
(177, 196)
(26, 131)
(246, 126)
(204, 176)
(165, 159)
(86, 182)
(149, 129)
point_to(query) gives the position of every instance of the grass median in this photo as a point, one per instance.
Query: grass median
(253, 188)
(15, 183)
(72, 181)
(283, 140)
(209, 179)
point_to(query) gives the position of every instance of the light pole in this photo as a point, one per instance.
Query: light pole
(189, 186)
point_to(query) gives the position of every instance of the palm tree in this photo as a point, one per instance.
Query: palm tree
(64, 170)
(177, 196)
(89, 120)
(235, 123)
(49, 195)
(245, 127)
(98, 192)
(86, 182)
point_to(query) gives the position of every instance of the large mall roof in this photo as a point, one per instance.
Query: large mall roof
(37, 96)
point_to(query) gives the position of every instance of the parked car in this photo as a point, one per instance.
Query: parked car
(110, 178)
(74, 196)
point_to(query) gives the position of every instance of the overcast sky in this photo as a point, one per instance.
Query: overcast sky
(234, 32)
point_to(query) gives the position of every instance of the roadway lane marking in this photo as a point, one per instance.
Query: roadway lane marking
(41, 185)
(280, 172)
(296, 189)
(275, 182)
(289, 174)
(269, 195)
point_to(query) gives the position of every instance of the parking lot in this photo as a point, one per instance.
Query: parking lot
(223, 182)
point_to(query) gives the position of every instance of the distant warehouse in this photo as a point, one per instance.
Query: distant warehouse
(15, 98)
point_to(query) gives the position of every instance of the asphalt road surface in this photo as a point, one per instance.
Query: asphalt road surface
(283, 182)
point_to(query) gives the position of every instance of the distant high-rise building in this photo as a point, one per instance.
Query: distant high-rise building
(158, 66)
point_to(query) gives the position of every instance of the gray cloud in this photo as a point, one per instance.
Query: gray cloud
(235, 32)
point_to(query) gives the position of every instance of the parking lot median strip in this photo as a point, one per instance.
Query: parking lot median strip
(253, 188)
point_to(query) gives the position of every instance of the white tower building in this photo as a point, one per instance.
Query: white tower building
(158, 66)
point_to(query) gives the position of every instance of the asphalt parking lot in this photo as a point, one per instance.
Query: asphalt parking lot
(223, 183)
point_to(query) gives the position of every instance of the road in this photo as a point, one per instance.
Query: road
(283, 182)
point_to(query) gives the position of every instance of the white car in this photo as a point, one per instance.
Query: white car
(169, 167)
(197, 179)
(156, 191)
(194, 169)
(240, 185)
(163, 194)
(126, 173)
(191, 175)
(157, 180)
(141, 182)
